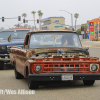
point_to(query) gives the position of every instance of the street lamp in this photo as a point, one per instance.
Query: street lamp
(71, 17)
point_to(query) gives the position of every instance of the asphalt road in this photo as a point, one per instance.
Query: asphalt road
(87, 42)
(73, 90)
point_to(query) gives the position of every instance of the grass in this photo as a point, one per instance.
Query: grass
(96, 45)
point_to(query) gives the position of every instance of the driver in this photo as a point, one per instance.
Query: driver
(64, 40)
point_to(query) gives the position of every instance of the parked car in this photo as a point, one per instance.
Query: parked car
(54, 61)
(9, 38)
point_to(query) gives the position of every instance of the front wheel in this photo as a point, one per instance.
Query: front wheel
(1, 65)
(18, 75)
(88, 82)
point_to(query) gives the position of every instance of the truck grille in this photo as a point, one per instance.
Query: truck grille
(66, 68)
(8, 48)
(64, 65)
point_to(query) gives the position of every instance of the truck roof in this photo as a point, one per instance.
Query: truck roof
(41, 31)
(12, 30)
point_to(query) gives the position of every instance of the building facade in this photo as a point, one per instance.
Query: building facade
(93, 28)
(53, 23)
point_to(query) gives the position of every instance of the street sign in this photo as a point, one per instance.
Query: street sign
(82, 32)
(19, 18)
(91, 23)
(26, 21)
(2, 19)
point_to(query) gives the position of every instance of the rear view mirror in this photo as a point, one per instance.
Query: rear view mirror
(9, 38)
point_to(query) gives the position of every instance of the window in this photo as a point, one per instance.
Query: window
(17, 34)
(54, 39)
(44, 28)
(57, 26)
(56, 21)
(26, 42)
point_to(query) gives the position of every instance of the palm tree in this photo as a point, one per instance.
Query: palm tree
(33, 12)
(24, 15)
(29, 26)
(18, 25)
(26, 25)
(33, 28)
(76, 16)
(2, 28)
(40, 17)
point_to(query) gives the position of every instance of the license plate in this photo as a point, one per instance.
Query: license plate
(67, 77)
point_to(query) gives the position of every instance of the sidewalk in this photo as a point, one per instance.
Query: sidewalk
(87, 45)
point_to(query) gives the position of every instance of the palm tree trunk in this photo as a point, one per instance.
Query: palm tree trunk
(39, 22)
(41, 18)
(75, 24)
(34, 22)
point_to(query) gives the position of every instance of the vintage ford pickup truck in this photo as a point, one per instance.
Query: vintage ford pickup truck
(54, 56)
(9, 38)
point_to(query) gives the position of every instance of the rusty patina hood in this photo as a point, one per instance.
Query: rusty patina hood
(54, 50)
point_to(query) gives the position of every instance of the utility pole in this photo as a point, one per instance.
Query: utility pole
(72, 21)
(71, 17)
(40, 23)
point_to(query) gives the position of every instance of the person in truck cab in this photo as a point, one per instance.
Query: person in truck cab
(64, 40)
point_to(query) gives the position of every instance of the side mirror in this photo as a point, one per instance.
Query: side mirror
(9, 38)
(86, 48)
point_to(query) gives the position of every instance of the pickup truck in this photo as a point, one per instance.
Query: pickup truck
(9, 38)
(53, 60)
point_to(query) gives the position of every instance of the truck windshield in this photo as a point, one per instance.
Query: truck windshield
(45, 40)
(18, 34)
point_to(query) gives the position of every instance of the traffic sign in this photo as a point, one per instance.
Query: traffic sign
(26, 21)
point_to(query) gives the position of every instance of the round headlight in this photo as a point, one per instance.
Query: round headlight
(38, 68)
(94, 68)
(3, 48)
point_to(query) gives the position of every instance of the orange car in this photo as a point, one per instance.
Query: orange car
(53, 60)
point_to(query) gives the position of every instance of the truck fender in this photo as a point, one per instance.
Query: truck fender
(28, 67)
(14, 62)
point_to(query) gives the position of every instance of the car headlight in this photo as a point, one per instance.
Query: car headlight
(94, 67)
(3, 48)
(38, 68)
